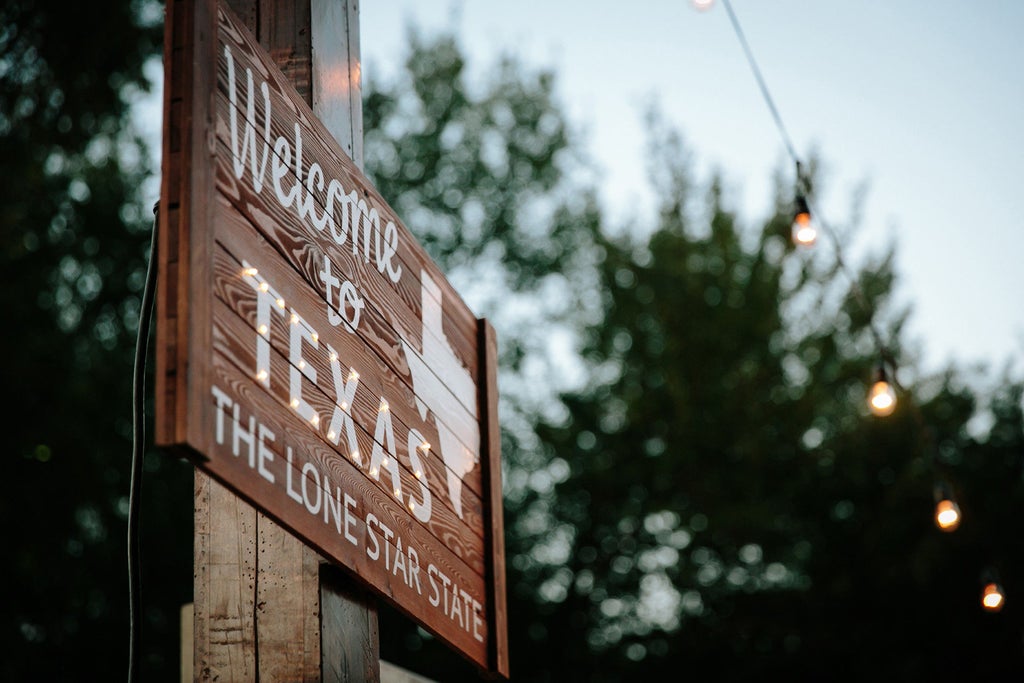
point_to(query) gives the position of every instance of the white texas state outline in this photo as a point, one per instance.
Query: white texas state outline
(434, 393)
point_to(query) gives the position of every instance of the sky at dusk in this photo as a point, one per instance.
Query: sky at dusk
(919, 102)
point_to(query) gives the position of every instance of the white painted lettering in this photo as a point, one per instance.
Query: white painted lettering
(384, 438)
(309, 472)
(350, 519)
(374, 552)
(265, 453)
(223, 401)
(416, 445)
(292, 492)
(240, 434)
(301, 331)
(249, 134)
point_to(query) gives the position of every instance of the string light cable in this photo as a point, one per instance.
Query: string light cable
(138, 452)
(805, 197)
(885, 383)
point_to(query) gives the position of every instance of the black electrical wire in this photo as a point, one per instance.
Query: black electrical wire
(138, 451)
(761, 82)
(803, 187)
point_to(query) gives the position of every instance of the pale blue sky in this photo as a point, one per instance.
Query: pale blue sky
(922, 99)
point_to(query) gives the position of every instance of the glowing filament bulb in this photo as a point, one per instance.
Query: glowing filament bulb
(398, 493)
(947, 515)
(334, 356)
(344, 405)
(804, 232)
(251, 272)
(280, 302)
(425, 446)
(412, 505)
(419, 474)
(262, 329)
(262, 375)
(302, 365)
(882, 398)
(295, 318)
(992, 597)
(703, 5)
(374, 471)
(264, 287)
(383, 406)
(315, 420)
(295, 403)
(352, 374)
(330, 434)
(356, 457)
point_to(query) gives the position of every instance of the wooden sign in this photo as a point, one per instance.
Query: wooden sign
(310, 355)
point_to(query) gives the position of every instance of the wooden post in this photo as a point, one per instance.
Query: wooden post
(267, 607)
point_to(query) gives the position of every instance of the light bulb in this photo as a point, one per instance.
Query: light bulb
(703, 4)
(882, 398)
(947, 515)
(804, 232)
(992, 598)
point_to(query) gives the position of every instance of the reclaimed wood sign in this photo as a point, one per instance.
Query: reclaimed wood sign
(310, 355)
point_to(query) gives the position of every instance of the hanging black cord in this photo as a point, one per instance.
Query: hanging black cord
(788, 141)
(138, 451)
(803, 186)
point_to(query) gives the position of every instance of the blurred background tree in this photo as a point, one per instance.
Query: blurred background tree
(693, 484)
(75, 222)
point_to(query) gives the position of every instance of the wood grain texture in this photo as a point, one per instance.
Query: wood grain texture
(425, 368)
(224, 585)
(319, 147)
(369, 554)
(497, 652)
(350, 641)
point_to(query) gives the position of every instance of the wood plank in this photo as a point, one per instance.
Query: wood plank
(349, 638)
(287, 584)
(285, 35)
(224, 621)
(498, 656)
(337, 73)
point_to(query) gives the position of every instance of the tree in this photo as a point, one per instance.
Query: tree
(74, 240)
(732, 510)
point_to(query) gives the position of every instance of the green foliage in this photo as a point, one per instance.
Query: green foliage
(74, 228)
(715, 500)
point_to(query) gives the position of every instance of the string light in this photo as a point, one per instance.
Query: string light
(993, 597)
(947, 512)
(882, 396)
(804, 232)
